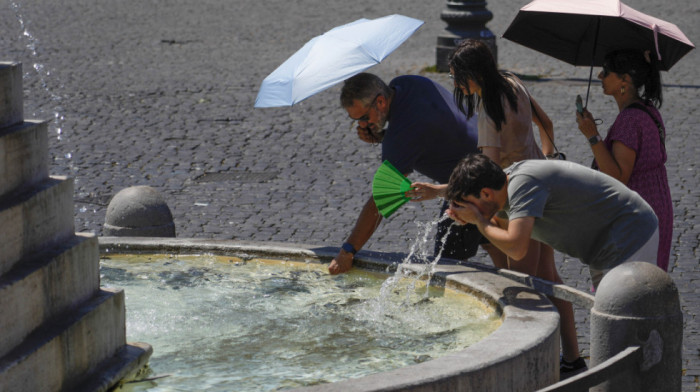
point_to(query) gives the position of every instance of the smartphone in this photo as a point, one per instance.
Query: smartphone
(579, 104)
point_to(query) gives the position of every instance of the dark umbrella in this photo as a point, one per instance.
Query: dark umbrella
(582, 32)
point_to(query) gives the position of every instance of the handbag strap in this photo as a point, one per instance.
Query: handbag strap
(534, 111)
(662, 131)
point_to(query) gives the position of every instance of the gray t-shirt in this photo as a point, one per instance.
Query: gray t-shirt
(579, 211)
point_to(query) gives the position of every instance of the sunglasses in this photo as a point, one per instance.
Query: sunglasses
(365, 118)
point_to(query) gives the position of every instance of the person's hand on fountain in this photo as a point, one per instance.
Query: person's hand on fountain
(341, 263)
(422, 191)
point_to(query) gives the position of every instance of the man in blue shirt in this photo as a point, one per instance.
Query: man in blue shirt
(425, 132)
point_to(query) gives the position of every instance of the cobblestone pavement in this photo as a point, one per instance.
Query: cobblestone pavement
(161, 93)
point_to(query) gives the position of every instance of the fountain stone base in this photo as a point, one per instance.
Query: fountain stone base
(61, 331)
(521, 355)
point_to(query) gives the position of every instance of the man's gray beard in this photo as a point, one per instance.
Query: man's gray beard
(379, 135)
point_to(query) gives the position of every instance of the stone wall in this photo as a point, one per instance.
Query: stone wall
(60, 330)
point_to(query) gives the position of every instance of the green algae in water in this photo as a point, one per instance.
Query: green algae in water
(222, 323)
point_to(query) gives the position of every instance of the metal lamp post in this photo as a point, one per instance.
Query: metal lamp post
(465, 19)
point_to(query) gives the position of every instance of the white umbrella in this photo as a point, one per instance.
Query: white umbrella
(333, 57)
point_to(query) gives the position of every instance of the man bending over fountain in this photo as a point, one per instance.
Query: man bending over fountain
(576, 210)
(426, 132)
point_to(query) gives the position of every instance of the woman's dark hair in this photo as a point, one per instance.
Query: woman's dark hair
(473, 60)
(643, 69)
(472, 174)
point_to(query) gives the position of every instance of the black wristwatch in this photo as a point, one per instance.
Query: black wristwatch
(348, 248)
(594, 140)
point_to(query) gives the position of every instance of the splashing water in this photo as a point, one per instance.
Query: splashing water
(246, 324)
(44, 74)
(419, 254)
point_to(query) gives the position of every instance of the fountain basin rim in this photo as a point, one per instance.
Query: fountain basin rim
(522, 354)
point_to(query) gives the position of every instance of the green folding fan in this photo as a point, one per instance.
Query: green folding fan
(388, 189)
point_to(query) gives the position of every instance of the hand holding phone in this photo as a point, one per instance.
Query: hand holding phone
(579, 104)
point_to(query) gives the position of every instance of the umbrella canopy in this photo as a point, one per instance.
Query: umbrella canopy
(333, 57)
(582, 32)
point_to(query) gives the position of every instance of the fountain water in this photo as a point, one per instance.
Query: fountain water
(49, 282)
(32, 44)
(418, 263)
(224, 323)
(521, 355)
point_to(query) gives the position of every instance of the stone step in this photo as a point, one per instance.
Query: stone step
(24, 157)
(65, 351)
(46, 284)
(11, 94)
(37, 219)
(125, 366)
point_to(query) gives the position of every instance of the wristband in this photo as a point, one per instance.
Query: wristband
(348, 248)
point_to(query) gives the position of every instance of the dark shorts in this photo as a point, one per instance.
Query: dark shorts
(461, 243)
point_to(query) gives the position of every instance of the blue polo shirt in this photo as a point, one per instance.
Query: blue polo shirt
(426, 131)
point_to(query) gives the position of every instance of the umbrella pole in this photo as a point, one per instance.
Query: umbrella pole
(590, 75)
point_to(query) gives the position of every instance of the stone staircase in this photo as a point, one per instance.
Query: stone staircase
(59, 330)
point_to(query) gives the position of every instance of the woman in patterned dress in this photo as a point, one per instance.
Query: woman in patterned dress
(634, 149)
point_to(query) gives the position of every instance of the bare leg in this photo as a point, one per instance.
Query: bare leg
(500, 260)
(569, 341)
(530, 264)
(527, 265)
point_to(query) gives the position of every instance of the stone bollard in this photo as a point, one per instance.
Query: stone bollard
(138, 211)
(637, 304)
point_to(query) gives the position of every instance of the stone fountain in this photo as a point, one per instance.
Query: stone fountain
(60, 330)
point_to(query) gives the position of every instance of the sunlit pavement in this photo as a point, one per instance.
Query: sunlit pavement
(161, 93)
